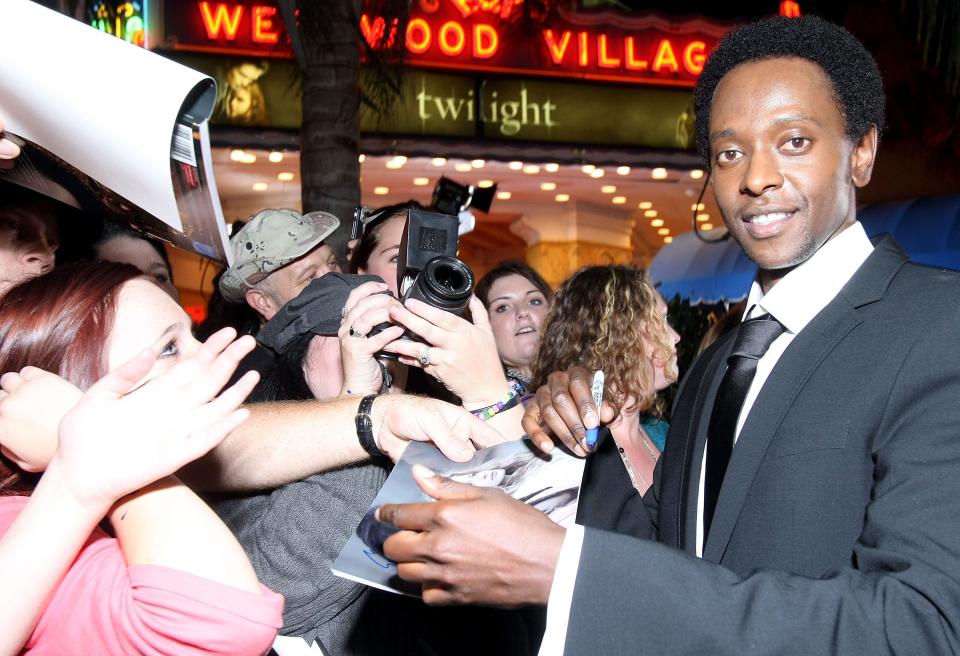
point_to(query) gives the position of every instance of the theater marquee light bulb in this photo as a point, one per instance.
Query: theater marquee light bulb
(696, 174)
(608, 189)
(619, 200)
(548, 186)
(659, 173)
(623, 170)
(656, 223)
(588, 168)
(275, 156)
(439, 161)
(381, 191)
(504, 195)
(237, 154)
(703, 217)
(596, 173)
(562, 198)
(551, 168)
(531, 169)
(515, 166)
(663, 231)
(285, 176)
(668, 240)
(650, 214)
(645, 205)
(485, 184)
(421, 182)
(259, 186)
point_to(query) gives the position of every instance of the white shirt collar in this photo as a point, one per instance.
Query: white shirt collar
(800, 295)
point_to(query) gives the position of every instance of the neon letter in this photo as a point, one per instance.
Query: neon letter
(694, 55)
(485, 41)
(263, 31)
(454, 49)
(790, 9)
(556, 50)
(604, 60)
(418, 36)
(665, 57)
(632, 62)
(584, 53)
(372, 34)
(219, 19)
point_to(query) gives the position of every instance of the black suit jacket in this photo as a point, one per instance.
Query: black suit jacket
(837, 530)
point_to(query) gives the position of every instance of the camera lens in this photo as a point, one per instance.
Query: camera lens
(446, 283)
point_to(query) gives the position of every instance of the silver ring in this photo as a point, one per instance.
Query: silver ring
(343, 313)
(425, 357)
(355, 333)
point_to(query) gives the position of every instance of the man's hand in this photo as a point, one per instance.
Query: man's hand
(402, 418)
(564, 407)
(473, 545)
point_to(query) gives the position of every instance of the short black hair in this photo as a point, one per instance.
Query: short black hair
(851, 69)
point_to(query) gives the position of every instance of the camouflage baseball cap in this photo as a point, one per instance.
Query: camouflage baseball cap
(270, 240)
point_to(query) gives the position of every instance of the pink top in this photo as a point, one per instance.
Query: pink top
(104, 607)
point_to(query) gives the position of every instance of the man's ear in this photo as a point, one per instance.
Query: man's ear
(863, 156)
(261, 303)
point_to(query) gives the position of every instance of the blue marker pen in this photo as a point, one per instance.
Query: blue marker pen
(596, 390)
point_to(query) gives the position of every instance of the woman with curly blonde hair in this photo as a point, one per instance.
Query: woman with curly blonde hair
(611, 318)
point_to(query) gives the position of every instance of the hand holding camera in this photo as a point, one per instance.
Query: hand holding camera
(460, 354)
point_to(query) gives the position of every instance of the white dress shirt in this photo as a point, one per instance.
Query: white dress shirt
(794, 301)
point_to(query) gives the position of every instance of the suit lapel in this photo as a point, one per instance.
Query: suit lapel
(786, 381)
(684, 451)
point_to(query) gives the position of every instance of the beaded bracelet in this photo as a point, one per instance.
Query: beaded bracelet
(510, 400)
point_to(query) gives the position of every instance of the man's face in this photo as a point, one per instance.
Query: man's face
(782, 169)
(28, 240)
(288, 282)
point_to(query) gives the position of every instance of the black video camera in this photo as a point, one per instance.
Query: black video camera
(428, 268)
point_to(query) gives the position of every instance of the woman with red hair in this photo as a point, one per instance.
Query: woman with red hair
(171, 579)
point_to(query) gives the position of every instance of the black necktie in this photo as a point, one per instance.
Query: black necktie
(754, 337)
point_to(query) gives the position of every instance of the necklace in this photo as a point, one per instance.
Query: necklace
(635, 473)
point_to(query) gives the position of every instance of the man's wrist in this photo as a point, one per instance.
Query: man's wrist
(365, 426)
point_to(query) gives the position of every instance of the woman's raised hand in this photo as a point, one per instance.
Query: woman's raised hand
(124, 434)
(461, 355)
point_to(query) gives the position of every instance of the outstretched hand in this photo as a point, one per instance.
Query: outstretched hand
(473, 545)
(401, 418)
(563, 409)
(124, 434)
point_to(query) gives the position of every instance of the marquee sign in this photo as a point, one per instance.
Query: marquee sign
(477, 35)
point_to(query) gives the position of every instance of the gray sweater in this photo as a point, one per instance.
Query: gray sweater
(294, 533)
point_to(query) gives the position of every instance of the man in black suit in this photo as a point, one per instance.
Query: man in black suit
(813, 507)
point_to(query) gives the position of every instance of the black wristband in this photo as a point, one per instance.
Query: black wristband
(364, 424)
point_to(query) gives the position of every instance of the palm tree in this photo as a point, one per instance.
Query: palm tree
(329, 47)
